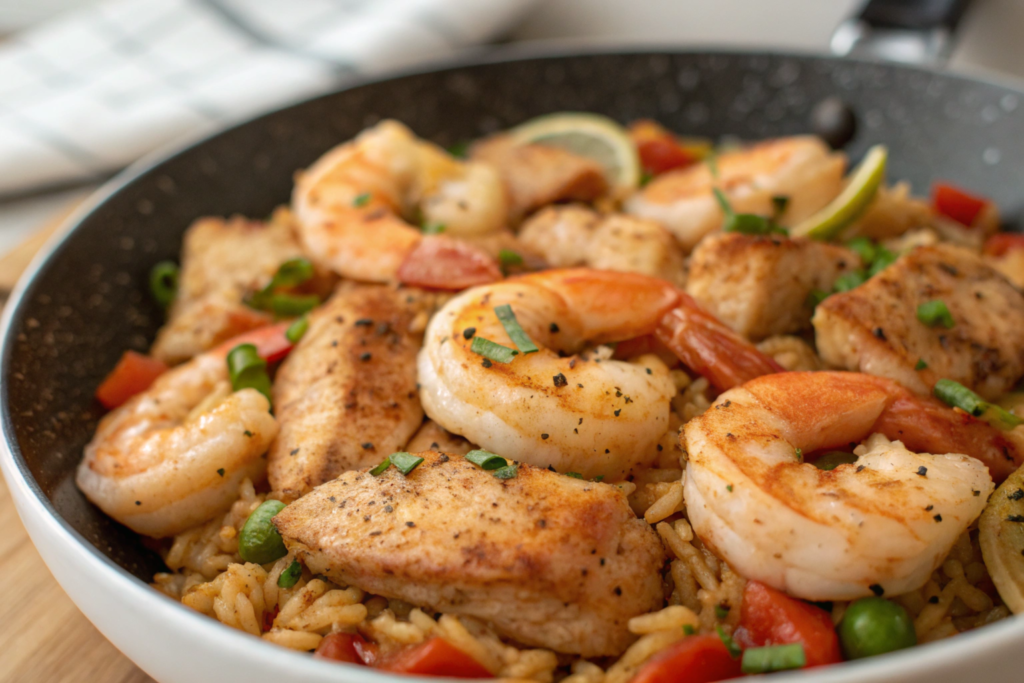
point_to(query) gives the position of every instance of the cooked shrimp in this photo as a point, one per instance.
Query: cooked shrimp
(802, 169)
(578, 413)
(350, 203)
(879, 525)
(174, 455)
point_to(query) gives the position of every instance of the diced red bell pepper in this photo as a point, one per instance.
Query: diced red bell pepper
(270, 341)
(770, 617)
(659, 150)
(133, 374)
(347, 647)
(1002, 243)
(694, 659)
(957, 204)
(435, 657)
(440, 262)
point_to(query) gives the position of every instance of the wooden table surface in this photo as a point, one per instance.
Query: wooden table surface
(43, 636)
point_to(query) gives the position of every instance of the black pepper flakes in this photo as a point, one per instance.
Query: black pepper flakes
(1015, 518)
(294, 451)
(934, 600)
(938, 518)
(220, 471)
(410, 524)
(880, 333)
(365, 356)
(617, 412)
(560, 380)
(929, 508)
(487, 363)
(1016, 495)
(367, 446)
(618, 590)
(877, 590)
(544, 436)
(922, 471)
(138, 502)
(364, 322)
(554, 328)
(388, 508)
(468, 332)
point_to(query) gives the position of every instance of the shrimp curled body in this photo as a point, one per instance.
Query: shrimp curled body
(174, 455)
(879, 525)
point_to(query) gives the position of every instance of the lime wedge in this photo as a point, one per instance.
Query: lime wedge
(590, 135)
(1001, 536)
(851, 202)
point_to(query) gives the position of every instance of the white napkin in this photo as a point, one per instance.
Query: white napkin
(91, 92)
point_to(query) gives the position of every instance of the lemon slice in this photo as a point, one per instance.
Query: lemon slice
(590, 135)
(1001, 533)
(851, 202)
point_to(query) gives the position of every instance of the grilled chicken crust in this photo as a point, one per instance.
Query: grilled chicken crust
(221, 261)
(874, 328)
(549, 560)
(760, 285)
(346, 395)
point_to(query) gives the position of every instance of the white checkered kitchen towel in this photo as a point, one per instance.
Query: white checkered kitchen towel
(90, 92)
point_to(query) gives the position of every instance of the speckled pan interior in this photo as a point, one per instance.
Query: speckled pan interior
(88, 301)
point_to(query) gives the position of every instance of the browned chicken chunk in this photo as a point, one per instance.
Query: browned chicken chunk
(222, 260)
(538, 175)
(760, 286)
(346, 395)
(549, 560)
(875, 329)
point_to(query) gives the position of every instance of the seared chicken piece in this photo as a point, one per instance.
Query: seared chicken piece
(346, 395)
(568, 236)
(551, 561)
(874, 328)
(222, 260)
(759, 286)
(538, 175)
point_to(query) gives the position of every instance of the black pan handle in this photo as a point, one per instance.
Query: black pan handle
(909, 31)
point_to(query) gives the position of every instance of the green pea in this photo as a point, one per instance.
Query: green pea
(874, 626)
(259, 541)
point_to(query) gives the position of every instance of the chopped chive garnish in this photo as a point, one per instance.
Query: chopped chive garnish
(290, 305)
(688, 630)
(935, 312)
(779, 204)
(434, 228)
(721, 612)
(645, 177)
(405, 462)
(381, 468)
(514, 329)
(507, 257)
(292, 273)
(460, 150)
(574, 475)
(958, 396)
(921, 365)
(865, 248)
(163, 282)
(712, 162)
(599, 478)
(851, 280)
(730, 644)
(800, 454)
(816, 297)
(762, 660)
(361, 199)
(486, 460)
(492, 350)
(834, 459)
(883, 259)
(247, 370)
(747, 224)
(290, 576)
(723, 202)
(507, 472)
(297, 330)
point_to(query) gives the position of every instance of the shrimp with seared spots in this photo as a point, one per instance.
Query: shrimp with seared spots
(173, 456)
(350, 203)
(879, 525)
(801, 169)
(578, 412)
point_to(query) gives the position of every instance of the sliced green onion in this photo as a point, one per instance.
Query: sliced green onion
(722, 200)
(492, 350)
(290, 576)
(851, 280)
(958, 396)
(486, 460)
(734, 650)
(434, 228)
(921, 365)
(405, 462)
(292, 273)
(381, 468)
(163, 282)
(507, 257)
(865, 248)
(883, 259)
(763, 660)
(1000, 417)
(247, 370)
(834, 459)
(935, 312)
(259, 540)
(747, 224)
(507, 472)
(688, 630)
(514, 329)
(361, 199)
(291, 305)
(297, 330)
(574, 475)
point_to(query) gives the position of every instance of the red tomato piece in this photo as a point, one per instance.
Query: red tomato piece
(662, 154)
(1001, 243)
(270, 341)
(435, 657)
(694, 659)
(770, 617)
(440, 262)
(954, 203)
(346, 647)
(133, 374)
